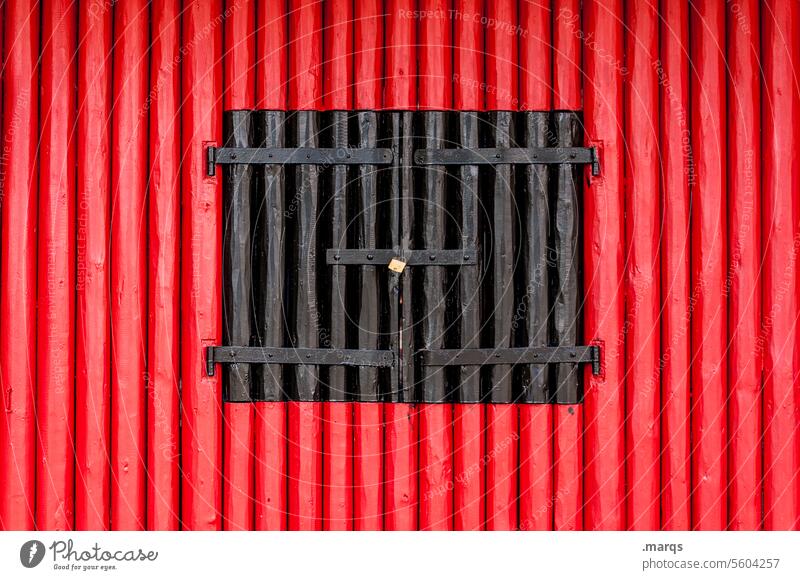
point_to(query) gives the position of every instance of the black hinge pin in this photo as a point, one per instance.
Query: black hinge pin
(595, 169)
(211, 161)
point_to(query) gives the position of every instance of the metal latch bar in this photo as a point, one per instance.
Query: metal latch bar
(510, 356)
(295, 156)
(358, 257)
(509, 156)
(296, 356)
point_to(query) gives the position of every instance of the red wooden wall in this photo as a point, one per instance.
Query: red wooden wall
(110, 267)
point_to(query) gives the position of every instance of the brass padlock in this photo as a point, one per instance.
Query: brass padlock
(396, 265)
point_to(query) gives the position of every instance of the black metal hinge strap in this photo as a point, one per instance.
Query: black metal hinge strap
(510, 156)
(505, 356)
(295, 156)
(355, 257)
(296, 356)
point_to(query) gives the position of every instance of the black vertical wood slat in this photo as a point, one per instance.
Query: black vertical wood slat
(565, 243)
(398, 181)
(303, 258)
(469, 277)
(364, 301)
(337, 375)
(269, 216)
(237, 255)
(532, 318)
(430, 281)
(499, 246)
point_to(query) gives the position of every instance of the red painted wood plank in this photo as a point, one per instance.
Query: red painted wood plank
(163, 371)
(272, 65)
(305, 54)
(435, 467)
(567, 421)
(536, 494)
(201, 120)
(468, 461)
(129, 266)
(367, 466)
(781, 118)
(604, 441)
(400, 476)
(400, 84)
(678, 171)
(435, 57)
(567, 72)
(368, 57)
(55, 399)
(239, 56)
(338, 53)
(18, 265)
(642, 287)
(501, 466)
(501, 56)
(709, 258)
(744, 237)
(536, 54)
(92, 318)
(305, 466)
(239, 64)
(468, 36)
(271, 502)
(338, 466)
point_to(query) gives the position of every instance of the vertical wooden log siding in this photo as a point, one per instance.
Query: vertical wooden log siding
(781, 118)
(270, 448)
(677, 171)
(709, 259)
(18, 264)
(338, 415)
(55, 498)
(163, 372)
(364, 283)
(642, 288)
(401, 418)
(238, 64)
(468, 418)
(201, 268)
(744, 255)
(129, 266)
(603, 267)
(305, 418)
(92, 318)
(537, 63)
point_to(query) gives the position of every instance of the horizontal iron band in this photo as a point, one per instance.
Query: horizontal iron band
(509, 156)
(510, 356)
(296, 156)
(355, 257)
(296, 356)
